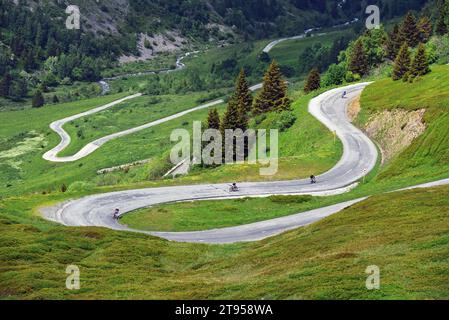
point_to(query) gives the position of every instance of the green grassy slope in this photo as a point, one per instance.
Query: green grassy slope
(26, 171)
(306, 147)
(405, 234)
(427, 159)
(428, 156)
(217, 67)
(205, 215)
(129, 114)
(288, 52)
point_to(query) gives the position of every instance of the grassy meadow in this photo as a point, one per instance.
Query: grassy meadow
(405, 234)
(427, 159)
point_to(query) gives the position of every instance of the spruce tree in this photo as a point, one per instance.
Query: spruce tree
(273, 96)
(442, 25)
(213, 119)
(213, 122)
(402, 63)
(441, 28)
(358, 61)
(313, 81)
(420, 64)
(242, 91)
(38, 100)
(234, 118)
(409, 30)
(425, 29)
(230, 117)
(5, 85)
(394, 42)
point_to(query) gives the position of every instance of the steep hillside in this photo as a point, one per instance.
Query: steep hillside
(404, 234)
(427, 157)
(37, 51)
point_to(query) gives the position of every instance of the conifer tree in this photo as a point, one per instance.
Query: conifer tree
(5, 85)
(273, 96)
(242, 91)
(358, 61)
(313, 81)
(243, 118)
(442, 26)
(425, 29)
(213, 119)
(231, 117)
(213, 122)
(409, 30)
(420, 64)
(402, 63)
(38, 100)
(234, 118)
(394, 43)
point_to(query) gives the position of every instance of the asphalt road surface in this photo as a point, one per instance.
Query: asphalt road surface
(57, 127)
(359, 158)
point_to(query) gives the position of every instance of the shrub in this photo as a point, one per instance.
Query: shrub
(286, 120)
(158, 168)
(80, 186)
(281, 121)
(335, 75)
(290, 199)
(349, 77)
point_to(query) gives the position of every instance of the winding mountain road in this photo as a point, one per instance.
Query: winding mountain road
(359, 158)
(57, 126)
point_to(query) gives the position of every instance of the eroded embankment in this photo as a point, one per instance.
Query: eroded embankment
(393, 130)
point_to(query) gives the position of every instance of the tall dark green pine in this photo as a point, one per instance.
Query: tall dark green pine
(234, 118)
(358, 61)
(313, 81)
(213, 122)
(442, 22)
(5, 85)
(273, 96)
(441, 27)
(213, 119)
(242, 91)
(409, 30)
(420, 64)
(38, 100)
(394, 42)
(243, 118)
(402, 63)
(425, 29)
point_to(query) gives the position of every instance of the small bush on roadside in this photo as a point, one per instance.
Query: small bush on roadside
(290, 199)
(80, 186)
